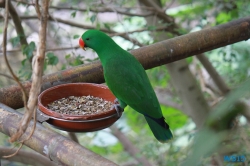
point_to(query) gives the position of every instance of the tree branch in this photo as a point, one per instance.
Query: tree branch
(18, 25)
(56, 147)
(129, 147)
(73, 137)
(150, 56)
(111, 32)
(220, 83)
(26, 157)
(161, 14)
(48, 49)
(166, 99)
(22, 90)
(36, 74)
(104, 10)
(150, 11)
(7, 76)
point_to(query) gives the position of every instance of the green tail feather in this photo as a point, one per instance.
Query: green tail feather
(159, 128)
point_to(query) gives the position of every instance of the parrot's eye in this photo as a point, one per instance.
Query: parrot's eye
(87, 39)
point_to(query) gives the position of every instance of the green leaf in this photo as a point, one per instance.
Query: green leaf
(63, 67)
(67, 56)
(76, 36)
(107, 26)
(98, 26)
(45, 66)
(15, 41)
(28, 50)
(76, 61)
(93, 18)
(175, 118)
(73, 14)
(135, 120)
(23, 62)
(25, 71)
(151, 28)
(223, 18)
(189, 60)
(158, 76)
(52, 59)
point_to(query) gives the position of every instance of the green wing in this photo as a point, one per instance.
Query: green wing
(129, 82)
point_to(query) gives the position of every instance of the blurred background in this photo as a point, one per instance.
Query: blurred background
(134, 24)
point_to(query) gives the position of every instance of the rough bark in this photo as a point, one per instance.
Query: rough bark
(26, 157)
(56, 147)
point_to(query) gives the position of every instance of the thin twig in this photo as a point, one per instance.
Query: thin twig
(24, 2)
(218, 80)
(48, 49)
(5, 56)
(7, 76)
(11, 155)
(168, 5)
(37, 9)
(73, 137)
(129, 147)
(150, 11)
(8, 65)
(33, 128)
(104, 10)
(36, 76)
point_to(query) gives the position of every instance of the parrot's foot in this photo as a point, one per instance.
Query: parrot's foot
(117, 107)
(116, 101)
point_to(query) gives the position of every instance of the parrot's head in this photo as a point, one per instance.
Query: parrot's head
(94, 39)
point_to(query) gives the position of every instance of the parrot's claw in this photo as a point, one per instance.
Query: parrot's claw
(116, 101)
(118, 109)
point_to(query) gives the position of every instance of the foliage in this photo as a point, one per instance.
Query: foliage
(232, 63)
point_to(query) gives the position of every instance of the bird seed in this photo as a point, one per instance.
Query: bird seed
(83, 105)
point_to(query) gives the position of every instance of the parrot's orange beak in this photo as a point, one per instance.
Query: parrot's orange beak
(81, 43)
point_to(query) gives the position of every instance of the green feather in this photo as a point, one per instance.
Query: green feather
(128, 81)
(162, 134)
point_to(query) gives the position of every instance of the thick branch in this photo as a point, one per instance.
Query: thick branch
(56, 147)
(26, 157)
(150, 56)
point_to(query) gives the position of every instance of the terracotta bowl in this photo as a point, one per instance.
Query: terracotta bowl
(77, 123)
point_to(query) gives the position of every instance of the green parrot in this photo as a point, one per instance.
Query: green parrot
(128, 81)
